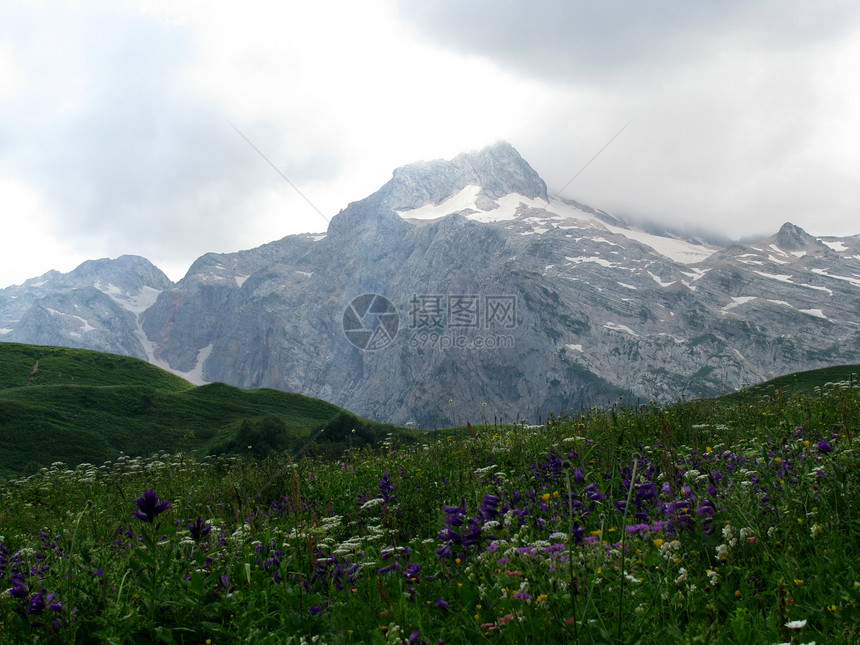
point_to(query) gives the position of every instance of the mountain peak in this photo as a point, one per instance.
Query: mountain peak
(502, 170)
(498, 169)
(793, 238)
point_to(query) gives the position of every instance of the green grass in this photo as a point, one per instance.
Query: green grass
(82, 406)
(749, 533)
(808, 382)
(731, 520)
(28, 365)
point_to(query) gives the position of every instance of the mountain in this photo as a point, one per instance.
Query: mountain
(495, 301)
(96, 306)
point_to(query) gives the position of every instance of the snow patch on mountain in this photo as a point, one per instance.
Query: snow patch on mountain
(135, 302)
(595, 259)
(839, 247)
(814, 312)
(853, 281)
(657, 279)
(737, 301)
(676, 250)
(620, 328)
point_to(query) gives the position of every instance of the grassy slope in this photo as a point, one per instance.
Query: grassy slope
(84, 406)
(74, 405)
(800, 382)
(23, 365)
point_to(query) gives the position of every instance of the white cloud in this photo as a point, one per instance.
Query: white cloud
(25, 239)
(116, 116)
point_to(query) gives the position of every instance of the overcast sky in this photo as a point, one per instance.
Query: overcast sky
(116, 135)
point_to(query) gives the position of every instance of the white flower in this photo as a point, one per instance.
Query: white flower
(796, 624)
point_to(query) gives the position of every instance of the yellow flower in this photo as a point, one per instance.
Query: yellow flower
(798, 581)
(542, 597)
(708, 448)
(658, 542)
(545, 497)
(737, 593)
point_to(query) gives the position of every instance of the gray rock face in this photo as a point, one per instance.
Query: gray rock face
(508, 304)
(96, 306)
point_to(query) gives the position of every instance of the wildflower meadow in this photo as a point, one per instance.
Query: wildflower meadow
(730, 521)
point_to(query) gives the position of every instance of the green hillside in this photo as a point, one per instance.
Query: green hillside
(801, 382)
(23, 365)
(81, 406)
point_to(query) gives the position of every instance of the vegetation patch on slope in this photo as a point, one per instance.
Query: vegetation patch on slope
(127, 406)
(702, 522)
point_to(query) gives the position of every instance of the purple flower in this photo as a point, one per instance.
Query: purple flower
(635, 528)
(823, 447)
(19, 589)
(386, 488)
(199, 529)
(150, 506)
(706, 507)
(37, 603)
(490, 506)
(316, 609)
(440, 602)
(411, 571)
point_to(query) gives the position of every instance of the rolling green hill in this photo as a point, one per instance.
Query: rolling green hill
(800, 382)
(75, 406)
(23, 365)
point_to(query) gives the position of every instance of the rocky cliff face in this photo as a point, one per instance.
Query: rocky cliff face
(96, 306)
(502, 303)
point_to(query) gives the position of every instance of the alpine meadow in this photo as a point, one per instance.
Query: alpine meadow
(732, 519)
